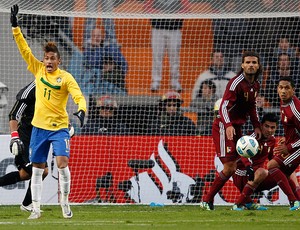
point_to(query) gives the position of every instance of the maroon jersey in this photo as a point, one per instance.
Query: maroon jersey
(290, 119)
(240, 178)
(258, 161)
(239, 102)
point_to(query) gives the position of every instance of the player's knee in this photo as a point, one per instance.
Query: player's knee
(45, 173)
(24, 175)
(261, 174)
(272, 164)
(229, 169)
(62, 161)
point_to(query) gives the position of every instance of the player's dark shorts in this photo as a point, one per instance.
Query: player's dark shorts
(225, 149)
(289, 163)
(240, 180)
(22, 160)
(22, 163)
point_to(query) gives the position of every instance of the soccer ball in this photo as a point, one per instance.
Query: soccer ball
(247, 146)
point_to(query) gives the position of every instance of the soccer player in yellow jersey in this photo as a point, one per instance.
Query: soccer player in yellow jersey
(50, 121)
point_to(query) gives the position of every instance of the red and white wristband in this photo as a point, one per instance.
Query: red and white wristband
(14, 134)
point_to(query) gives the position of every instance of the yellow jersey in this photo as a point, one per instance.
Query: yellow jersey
(52, 90)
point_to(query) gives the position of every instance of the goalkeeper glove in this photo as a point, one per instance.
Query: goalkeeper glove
(13, 15)
(250, 173)
(71, 130)
(16, 145)
(80, 114)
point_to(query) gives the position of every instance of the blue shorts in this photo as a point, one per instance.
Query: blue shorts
(41, 141)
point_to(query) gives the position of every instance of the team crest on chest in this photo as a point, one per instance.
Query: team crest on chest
(228, 149)
(58, 80)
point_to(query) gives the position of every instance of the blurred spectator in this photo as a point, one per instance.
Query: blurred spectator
(230, 35)
(284, 47)
(283, 69)
(104, 120)
(57, 28)
(235, 35)
(3, 108)
(169, 119)
(218, 73)
(282, 38)
(166, 36)
(112, 74)
(109, 26)
(204, 103)
(95, 57)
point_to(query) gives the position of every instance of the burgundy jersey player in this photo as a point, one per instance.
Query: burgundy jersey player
(238, 103)
(287, 152)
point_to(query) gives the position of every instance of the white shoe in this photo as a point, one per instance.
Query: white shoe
(175, 84)
(155, 86)
(34, 215)
(177, 87)
(28, 208)
(66, 210)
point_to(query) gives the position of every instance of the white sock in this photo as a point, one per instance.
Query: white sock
(65, 184)
(36, 188)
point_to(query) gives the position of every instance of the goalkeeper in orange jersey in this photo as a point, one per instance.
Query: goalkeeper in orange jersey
(50, 120)
(261, 179)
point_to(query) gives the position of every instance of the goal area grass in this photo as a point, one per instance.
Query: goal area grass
(146, 217)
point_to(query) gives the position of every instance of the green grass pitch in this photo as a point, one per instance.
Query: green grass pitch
(146, 217)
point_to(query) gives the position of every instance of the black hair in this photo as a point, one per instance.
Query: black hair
(51, 47)
(283, 54)
(289, 79)
(252, 54)
(272, 117)
(210, 84)
(108, 60)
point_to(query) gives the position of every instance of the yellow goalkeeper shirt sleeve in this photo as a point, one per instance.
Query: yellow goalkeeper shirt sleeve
(52, 90)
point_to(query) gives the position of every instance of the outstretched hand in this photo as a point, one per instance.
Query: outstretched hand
(13, 15)
(258, 133)
(80, 114)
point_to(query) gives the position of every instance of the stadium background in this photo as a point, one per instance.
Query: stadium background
(91, 154)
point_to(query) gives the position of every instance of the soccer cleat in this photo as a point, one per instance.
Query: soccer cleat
(294, 205)
(238, 208)
(255, 206)
(66, 210)
(28, 208)
(34, 215)
(207, 206)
